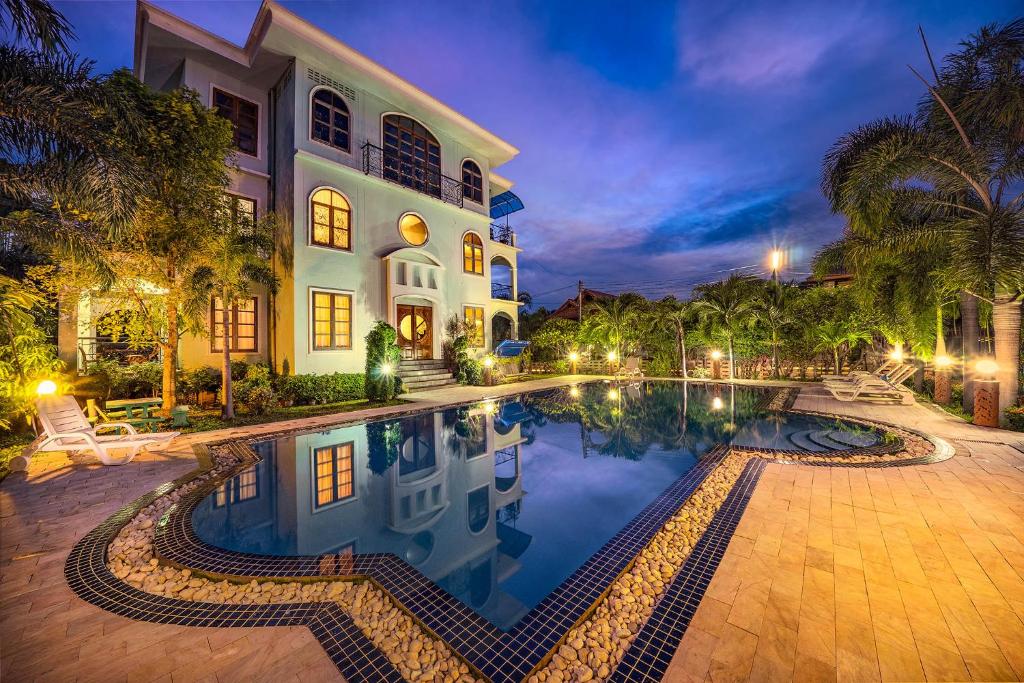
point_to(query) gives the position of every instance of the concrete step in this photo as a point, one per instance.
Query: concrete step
(422, 385)
(854, 439)
(425, 372)
(419, 364)
(802, 441)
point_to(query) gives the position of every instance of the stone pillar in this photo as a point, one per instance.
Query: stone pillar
(716, 368)
(986, 402)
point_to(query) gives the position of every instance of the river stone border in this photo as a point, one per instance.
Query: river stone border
(357, 657)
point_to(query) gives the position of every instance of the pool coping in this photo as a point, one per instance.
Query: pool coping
(498, 655)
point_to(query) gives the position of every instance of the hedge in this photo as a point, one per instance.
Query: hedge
(305, 390)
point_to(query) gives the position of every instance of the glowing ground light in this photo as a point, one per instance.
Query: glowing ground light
(386, 369)
(46, 388)
(574, 392)
(573, 357)
(613, 394)
(488, 362)
(986, 367)
(716, 355)
(611, 356)
(716, 403)
(490, 408)
(943, 361)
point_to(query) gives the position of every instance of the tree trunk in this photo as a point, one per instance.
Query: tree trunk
(227, 407)
(170, 349)
(1006, 320)
(835, 359)
(732, 365)
(681, 343)
(775, 357)
(969, 331)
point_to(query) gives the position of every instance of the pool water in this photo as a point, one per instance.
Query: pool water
(498, 503)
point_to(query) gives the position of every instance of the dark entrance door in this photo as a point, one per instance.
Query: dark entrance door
(415, 331)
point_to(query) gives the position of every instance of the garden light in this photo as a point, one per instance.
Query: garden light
(574, 392)
(573, 357)
(897, 353)
(611, 356)
(46, 388)
(613, 394)
(943, 361)
(488, 362)
(986, 367)
(716, 355)
(386, 369)
(490, 408)
(716, 403)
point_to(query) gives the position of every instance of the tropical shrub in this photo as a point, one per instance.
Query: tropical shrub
(305, 390)
(382, 356)
(113, 380)
(255, 390)
(206, 379)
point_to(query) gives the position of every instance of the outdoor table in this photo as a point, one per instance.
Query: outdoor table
(137, 411)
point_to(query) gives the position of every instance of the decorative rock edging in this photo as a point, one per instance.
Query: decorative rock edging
(354, 617)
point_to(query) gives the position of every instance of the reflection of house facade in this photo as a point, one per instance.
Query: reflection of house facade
(444, 505)
(386, 195)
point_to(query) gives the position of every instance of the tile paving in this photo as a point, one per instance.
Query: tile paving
(833, 573)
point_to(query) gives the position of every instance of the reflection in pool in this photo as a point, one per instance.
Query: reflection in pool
(497, 503)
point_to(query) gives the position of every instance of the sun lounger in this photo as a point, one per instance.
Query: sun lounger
(872, 389)
(885, 368)
(630, 369)
(66, 428)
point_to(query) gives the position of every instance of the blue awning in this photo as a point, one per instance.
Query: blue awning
(505, 203)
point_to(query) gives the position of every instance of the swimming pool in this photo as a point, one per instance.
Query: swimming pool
(497, 502)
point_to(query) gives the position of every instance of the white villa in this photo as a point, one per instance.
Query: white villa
(388, 197)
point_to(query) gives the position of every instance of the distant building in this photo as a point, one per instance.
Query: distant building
(570, 310)
(841, 279)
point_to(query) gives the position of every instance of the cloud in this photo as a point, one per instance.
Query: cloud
(775, 45)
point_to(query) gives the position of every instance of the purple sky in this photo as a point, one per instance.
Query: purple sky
(661, 144)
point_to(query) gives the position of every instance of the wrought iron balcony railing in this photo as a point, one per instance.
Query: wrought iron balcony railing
(414, 174)
(503, 234)
(500, 291)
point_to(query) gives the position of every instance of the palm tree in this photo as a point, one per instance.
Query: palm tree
(772, 311)
(611, 320)
(38, 22)
(832, 335)
(678, 315)
(726, 307)
(239, 259)
(944, 178)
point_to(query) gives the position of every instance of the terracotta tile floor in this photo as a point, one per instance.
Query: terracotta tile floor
(902, 574)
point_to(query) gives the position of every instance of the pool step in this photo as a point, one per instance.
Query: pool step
(854, 439)
(823, 439)
(803, 441)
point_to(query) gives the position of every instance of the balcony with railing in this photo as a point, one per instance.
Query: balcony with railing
(502, 291)
(503, 234)
(414, 174)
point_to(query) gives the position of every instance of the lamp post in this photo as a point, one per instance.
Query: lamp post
(612, 358)
(488, 371)
(943, 390)
(986, 393)
(716, 364)
(574, 359)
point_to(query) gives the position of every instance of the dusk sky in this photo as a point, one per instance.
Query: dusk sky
(660, 144)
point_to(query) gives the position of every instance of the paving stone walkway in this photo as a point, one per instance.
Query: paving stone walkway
(898, 574)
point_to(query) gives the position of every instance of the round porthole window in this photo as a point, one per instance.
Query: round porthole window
(414, 230)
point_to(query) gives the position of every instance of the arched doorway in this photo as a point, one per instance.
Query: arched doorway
(502, 328)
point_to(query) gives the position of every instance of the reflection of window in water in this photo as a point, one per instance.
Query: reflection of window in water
(243, 486)
(333, 465)
(479, 508)
(418, 446)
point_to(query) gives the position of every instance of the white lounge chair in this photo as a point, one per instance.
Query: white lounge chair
(887, 367)
(65, 428)
(873, 389)
(895, 377)
(631, 368)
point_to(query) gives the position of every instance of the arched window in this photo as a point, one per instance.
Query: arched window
(472, 254)
(472, 181)
(330, 219)
(412, 155)
(330, 119)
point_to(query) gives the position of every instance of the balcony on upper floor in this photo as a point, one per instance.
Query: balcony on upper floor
(411, 172)
(503, 234)
(502, 291)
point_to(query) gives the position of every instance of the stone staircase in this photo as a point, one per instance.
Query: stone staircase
(420, 375)
(817, 441)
